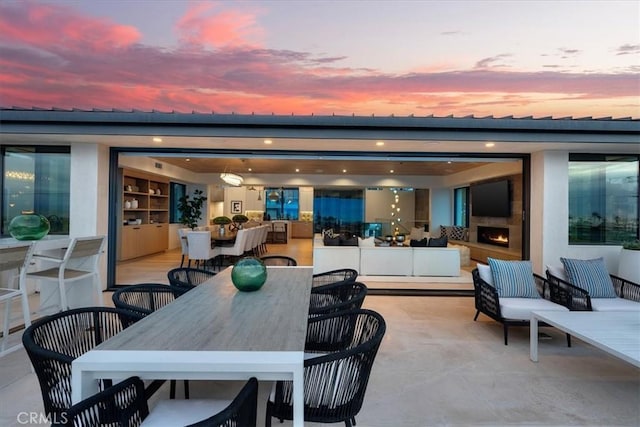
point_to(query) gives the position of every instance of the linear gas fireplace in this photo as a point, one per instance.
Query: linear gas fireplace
(498, 236)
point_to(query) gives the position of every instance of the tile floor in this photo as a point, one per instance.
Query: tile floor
(437, 367)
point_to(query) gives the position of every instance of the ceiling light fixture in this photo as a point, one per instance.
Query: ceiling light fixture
(380, 143)
(232, 178)
(489, 144)
(268, 141)
(157, 139)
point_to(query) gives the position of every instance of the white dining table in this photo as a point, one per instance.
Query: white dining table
(213, 332)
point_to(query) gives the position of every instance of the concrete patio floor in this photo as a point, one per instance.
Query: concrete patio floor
(437, 367)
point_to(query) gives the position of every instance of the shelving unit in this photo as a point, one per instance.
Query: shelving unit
(144, 214)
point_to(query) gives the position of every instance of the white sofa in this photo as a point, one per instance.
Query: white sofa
(386, 261)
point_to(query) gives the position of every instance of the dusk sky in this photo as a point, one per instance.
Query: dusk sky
(521, 58)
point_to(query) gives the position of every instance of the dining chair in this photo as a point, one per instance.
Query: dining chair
(334, 276)
(184, 245)
(144, 299)
(53, 342)
(279, 260)
(335, 380)
(80, 261)
(184, 278)
(239, 246)
(336, 297)
(14, 262)
(125, 404)
(200, 250)
(279, 232)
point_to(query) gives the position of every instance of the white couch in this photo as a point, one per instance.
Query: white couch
(386, 261)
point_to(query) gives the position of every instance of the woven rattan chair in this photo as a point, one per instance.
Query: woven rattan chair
(125, 404)
(279, 260)
(144, 299)
(334, 276)
(336, 380)
(53, 342)
(337, 297)
(185, 278)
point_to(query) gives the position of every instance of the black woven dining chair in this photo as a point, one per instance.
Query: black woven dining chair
(279, 260)
(125, 404)
(337, 297)
(335, 276)
(336, 380)
(185, 278)
(53, 342)
(144, 299)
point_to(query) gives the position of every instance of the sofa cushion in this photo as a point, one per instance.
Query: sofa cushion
(416, 233)
(348, 240)
(521, 308)
(590, 275)
(418, 243)
(368, 242)
(614, 304)
(513, 278)
(558, 271)
(331, 241)
(438, 242)
(485, 274)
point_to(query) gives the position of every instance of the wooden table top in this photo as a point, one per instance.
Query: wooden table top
(215, 316)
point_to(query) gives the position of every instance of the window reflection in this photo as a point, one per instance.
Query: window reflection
(36, 179)
(603, 199)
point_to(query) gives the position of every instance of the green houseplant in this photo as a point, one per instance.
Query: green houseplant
(238, 220)
(191, 208)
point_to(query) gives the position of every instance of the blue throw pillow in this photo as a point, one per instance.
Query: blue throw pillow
(513, 279)
(591, 275)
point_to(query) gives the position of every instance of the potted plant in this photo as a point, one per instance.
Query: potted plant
(238, 220)
(191, 208)
(628, 267)
(221, 221)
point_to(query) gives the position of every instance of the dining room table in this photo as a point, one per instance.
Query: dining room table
(221, 238)
(213, 332)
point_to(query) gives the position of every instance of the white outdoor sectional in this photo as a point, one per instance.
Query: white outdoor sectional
(387, 261)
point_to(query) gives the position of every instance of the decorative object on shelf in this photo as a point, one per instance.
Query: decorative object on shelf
(134, 204)
(238, 220)
(152, 191)
(191, 209)
(128, 188)
(232, 178)
(158, 191)
(127, 204)
(249, 274)
(29, 226)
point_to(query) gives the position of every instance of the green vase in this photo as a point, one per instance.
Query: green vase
(249, 274)
(29, 226)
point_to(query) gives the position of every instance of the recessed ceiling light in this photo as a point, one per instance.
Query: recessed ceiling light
(297, 170)
(380, 143)
(490, 144)
(449, 162)
(268, 141)
(249, 169)
(391, 171)
(187, 159)
(157, 139)
(344, 171)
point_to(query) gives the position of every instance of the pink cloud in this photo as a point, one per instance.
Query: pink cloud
(109, 69)
(204, 24)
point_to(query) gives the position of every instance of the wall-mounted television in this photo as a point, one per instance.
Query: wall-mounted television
(491, 199)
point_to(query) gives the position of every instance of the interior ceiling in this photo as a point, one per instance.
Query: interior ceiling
(318, 166)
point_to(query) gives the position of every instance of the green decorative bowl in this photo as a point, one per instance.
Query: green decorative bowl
(249, 274)
(29, 226)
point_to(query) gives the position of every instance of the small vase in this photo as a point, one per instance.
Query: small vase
(249, 274)
(127, 204)
(29, 226)
(134, 204)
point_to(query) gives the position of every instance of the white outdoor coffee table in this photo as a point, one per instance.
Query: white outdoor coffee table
(616, 332)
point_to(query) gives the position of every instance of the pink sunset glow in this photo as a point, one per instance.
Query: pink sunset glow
(229, 57)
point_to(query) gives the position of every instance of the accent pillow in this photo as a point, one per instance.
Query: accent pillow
(348, 241)
(513, 279)
(591, 275)
(439, 242)
(369, 242)
(485, 274)
(328, 233)
(416, 234)
(418, 243)
(331, 241)
(558, 271)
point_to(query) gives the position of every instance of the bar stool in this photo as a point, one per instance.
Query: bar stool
(279, 232)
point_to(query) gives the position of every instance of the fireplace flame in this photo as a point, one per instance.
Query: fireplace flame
(500, 238)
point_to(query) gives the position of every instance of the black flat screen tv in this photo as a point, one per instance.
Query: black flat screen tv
(491, 199)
